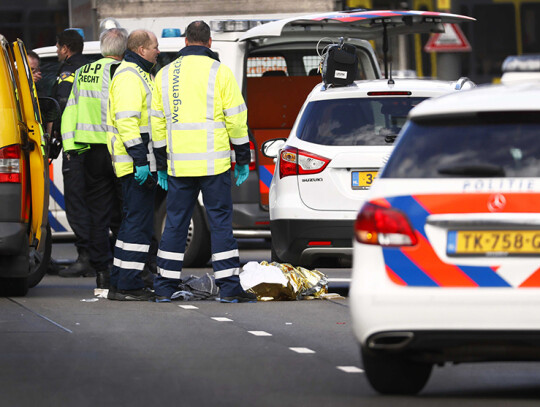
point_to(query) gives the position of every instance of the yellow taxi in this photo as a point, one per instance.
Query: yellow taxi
(25, 238)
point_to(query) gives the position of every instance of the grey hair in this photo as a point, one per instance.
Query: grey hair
(113, 42)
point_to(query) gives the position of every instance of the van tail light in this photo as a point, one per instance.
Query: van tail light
(293, 161)
(383, 226)
(10, 164)
(252, 162)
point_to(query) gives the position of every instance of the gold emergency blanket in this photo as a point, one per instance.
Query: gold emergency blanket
(296, 283)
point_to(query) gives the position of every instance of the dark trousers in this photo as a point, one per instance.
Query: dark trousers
(181, 199)
(103, 196)
(77, 212)
(134, 236)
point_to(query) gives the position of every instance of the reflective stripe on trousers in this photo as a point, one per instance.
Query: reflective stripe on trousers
(135, 235)
(181, 199)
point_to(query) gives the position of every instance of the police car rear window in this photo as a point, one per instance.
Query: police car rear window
(471, 149)
(372, 121)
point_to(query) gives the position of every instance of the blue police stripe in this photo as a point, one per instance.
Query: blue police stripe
(57, 195)
(415, 212)
(55, 225)
(406, 269)
(265, 175)
(484, 276)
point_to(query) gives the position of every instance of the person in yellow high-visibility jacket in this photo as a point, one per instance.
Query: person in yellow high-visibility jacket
(200, 112)
(135, 158)
(84, 133)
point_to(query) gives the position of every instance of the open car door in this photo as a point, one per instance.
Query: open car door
(39, 169)
(367, 25)
(363, 24)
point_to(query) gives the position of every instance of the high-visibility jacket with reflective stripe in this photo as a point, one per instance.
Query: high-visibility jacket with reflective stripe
(84, 120)
(198, 109)
(130, 100)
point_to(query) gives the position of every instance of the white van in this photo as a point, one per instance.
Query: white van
(276, 65)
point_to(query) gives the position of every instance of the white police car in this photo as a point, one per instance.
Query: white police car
(446, 263)
(324, 170)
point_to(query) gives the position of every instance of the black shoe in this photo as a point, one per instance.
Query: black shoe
(53, 268)
(148, 277)
(242, 297)
(78, 269)
(111, 294)
(142, 294)
(102, 279)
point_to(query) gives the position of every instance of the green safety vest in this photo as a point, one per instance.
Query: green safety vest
(199, 111)
(130, 101)
(84, 120)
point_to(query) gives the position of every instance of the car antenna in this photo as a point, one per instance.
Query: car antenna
(385, 49)
(391, 80)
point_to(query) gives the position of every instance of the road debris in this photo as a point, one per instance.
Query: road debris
(282, 282)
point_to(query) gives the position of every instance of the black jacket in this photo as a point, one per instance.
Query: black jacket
(64, 78)
(64, 81)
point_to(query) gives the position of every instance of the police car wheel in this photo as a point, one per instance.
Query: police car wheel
(392, 374)
(198, 249)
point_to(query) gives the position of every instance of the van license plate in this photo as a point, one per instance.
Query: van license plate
(493, 242)
(362, 179)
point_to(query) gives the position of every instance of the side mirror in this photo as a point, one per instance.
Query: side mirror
(50, 109)
(271, 148)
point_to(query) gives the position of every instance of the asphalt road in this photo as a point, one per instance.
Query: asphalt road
(61, 346)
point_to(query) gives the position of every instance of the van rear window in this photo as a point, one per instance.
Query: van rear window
(355, 121)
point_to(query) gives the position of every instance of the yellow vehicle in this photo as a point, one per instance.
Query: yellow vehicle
(25, 237)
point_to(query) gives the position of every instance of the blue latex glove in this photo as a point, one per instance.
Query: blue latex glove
(162, 179)
(241, 173)
(141, 173)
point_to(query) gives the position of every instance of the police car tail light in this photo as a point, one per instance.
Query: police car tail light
(252, 162)
(10, 164)
(293, 161)
(383, 226)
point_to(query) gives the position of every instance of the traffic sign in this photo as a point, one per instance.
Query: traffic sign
(451, 40)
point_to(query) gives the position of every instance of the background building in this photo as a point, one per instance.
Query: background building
(503, 27)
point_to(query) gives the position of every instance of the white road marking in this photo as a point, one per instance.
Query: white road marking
(221, 319)
(350, 369)
(339, 280)
(260, 333)
(188, 307)
(302, 350)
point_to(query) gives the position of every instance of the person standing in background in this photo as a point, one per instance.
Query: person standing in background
(69, 47)
(84, 132)
(34, 61)
(200, 112)
(132, 151)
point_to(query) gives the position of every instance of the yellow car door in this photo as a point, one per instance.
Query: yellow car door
(34, 143)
